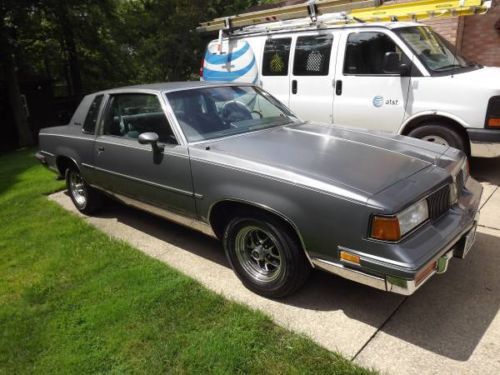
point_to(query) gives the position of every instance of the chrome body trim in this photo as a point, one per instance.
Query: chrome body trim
(350, 274)
(68, 136)
(104, 139)
(165, 187)
(192, 223)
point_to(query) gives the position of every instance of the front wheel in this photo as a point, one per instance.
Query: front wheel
(265, 255)
(85, 198)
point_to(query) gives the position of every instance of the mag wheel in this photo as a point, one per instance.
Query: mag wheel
(86, 199)
(265, 255)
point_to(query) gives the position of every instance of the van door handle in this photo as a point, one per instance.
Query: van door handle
(338, 87)
(294, 86)
(100, 148)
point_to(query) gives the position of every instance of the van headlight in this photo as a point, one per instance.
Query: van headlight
(393, 228)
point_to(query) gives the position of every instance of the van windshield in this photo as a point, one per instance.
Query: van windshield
(438, 55)
(214, 112)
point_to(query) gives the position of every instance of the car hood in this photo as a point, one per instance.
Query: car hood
(334, 159)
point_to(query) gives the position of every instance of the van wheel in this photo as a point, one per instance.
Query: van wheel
(85, 198)
(265, 255)
(442, 134)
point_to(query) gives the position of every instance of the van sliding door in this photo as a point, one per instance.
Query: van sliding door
(312, 76)
(275, 68)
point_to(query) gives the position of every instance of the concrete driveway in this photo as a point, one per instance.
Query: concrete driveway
(451, 325)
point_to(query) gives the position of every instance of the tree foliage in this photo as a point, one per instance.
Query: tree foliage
(86, 45)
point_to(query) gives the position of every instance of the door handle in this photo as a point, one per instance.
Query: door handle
(294, 86)
(100, 148)
(338, 87)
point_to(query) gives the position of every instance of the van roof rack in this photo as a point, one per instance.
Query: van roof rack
(323, 13)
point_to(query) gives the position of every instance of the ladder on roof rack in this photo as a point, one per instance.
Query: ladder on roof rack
(328, 12)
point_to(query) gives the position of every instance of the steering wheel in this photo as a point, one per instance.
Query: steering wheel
(235, 111)
(258, 112)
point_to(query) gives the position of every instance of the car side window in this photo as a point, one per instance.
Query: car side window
(365, 53)
(276, 56)
(91, 119)
(129, 115)
(312, 55)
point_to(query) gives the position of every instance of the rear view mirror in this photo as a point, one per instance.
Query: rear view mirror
(392, 64)
(150, 138)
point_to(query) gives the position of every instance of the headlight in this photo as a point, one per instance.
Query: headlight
(392, 228)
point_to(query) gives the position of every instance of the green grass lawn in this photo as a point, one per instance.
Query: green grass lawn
(72, 300)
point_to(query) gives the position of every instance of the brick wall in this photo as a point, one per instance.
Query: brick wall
(481, 39)
(447, 27)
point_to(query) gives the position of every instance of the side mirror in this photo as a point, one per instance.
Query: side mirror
(392, 64)
(152, 139)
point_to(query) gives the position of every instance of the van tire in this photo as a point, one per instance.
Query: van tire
(276, 242)
(438, 132)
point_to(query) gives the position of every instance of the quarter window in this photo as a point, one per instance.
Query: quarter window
(129, 115)
(91, 119)
(312, 55)
(365, 53)
(276, 56)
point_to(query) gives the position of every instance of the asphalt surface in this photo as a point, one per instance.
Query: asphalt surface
(450, 325)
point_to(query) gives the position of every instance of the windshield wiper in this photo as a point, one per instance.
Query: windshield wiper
(448, 67)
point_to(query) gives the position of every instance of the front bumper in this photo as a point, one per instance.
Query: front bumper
(459, 248)
(484, 142)
(425, 253)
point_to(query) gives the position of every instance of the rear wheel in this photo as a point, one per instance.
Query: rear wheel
(85, 198)
(440, 133)
(265, 255)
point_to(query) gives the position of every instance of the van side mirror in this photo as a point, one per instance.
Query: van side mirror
(392, 64)
(151, 138)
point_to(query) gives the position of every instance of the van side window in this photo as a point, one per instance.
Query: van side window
(276, 56)
(91, 118)
(365, 53)
(129, 115)
(312, 55)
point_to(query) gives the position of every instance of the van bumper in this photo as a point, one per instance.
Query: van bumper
(484, 142)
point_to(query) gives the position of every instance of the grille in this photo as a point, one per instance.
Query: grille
(460, 182)
(439, 202)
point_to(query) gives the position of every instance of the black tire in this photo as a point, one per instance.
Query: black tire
(294, 267)
(92, 199)
(440, 130)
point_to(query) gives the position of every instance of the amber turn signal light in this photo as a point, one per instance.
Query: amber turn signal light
(385, 228)
(494, 122)
(348, 257)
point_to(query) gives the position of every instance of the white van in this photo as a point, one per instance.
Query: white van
(397, 77)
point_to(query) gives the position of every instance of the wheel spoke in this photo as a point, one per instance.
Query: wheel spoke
(258, 253)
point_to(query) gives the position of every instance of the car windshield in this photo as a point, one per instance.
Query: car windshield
(435, 52)
(214, 112)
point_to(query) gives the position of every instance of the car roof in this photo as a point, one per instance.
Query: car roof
(169, 86)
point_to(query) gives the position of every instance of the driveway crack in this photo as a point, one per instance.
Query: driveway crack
(379, 329)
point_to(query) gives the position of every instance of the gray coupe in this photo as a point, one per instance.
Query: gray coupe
(283, 195)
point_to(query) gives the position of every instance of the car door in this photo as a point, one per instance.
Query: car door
(125, 167)
(275, 67)
(365, 95)
(312, 76)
